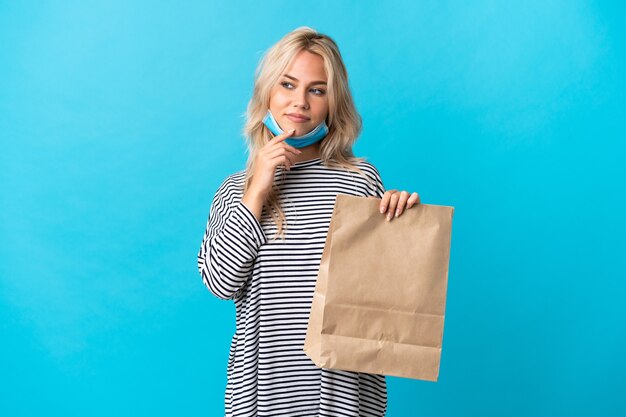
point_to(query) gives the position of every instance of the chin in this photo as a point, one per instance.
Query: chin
(300, 129)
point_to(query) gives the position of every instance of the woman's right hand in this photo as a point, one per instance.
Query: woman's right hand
(274, 153)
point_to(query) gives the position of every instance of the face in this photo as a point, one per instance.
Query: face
(301, 90)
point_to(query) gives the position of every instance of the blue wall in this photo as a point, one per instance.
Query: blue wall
(118, 120)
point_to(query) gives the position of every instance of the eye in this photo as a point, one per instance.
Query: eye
(317, 91)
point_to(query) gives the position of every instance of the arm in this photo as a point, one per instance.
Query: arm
(230, 244)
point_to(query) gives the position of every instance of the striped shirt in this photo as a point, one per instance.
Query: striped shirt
(271, 283)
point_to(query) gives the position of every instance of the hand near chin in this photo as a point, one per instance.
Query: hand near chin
(274, 153)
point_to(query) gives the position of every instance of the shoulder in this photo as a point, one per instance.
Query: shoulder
(231, 186)
(375, 186)
(369, 169)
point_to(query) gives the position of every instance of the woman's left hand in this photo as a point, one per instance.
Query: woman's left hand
(395, 201)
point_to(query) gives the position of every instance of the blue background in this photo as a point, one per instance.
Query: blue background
(120, 119)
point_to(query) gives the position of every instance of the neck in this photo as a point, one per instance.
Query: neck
(309, 152)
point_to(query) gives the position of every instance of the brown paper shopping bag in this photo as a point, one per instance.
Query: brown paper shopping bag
(379, 301)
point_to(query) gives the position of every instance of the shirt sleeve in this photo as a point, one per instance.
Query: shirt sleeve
(378, 188)
(231, 242)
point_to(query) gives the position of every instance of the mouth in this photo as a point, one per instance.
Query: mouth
(297, 118)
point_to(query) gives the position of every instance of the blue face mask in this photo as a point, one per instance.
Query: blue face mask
(317, 134)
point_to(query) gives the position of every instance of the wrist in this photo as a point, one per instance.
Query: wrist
(252, 194)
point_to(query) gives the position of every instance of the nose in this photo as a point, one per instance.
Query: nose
(300, 98)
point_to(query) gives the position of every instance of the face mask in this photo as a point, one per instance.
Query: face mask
(317, 134)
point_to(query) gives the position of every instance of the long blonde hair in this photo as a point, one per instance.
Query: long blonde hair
(344, 122)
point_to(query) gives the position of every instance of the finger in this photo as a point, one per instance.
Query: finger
(282, 136)
(279, 141)
(277, 149)
(292, 149)
(270, 146)
(282, 152)
(404, 196)
(384, 202)
(414, 199)
(393, 202)
(282, 160)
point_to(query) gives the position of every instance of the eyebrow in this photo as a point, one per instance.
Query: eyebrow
(312, 83)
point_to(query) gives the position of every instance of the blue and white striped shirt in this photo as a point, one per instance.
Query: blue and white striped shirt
(272, 284)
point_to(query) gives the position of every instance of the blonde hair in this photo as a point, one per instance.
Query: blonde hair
(344, 122)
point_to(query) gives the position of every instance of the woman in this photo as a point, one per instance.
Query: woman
(288, 190)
